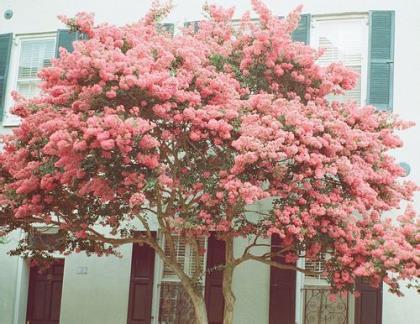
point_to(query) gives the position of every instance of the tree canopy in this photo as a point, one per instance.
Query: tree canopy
(135, 127)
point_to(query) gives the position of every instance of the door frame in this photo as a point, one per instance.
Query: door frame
(62, 262)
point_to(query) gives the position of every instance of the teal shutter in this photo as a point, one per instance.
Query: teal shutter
(381, 59)
(196, 25)
(168, 28)
(65, 38)
(302, 32)
(5, 47)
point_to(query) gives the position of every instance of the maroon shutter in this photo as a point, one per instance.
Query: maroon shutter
(214, 280)
(44, 296)
(141, 285)
(369, 304)
(282, 291)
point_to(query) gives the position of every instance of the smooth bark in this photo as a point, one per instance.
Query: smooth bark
(227, 283)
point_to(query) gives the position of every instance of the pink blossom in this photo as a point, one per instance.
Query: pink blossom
(136, 199)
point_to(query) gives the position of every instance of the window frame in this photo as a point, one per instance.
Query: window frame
(10, 120)
(364, 19)
(158, 276)
(319, 280)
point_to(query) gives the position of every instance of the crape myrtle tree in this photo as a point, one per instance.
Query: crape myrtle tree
(135, 127)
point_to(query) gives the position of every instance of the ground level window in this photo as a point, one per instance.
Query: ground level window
(174, 303)
(318, 308)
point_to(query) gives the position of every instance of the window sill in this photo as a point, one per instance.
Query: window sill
(11, 121)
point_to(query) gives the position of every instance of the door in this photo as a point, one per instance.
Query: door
(141, 285)
(44, 298)
(282, 291)
(369, 304)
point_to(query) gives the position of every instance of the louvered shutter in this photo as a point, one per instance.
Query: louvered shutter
(369, 304)
(65, 39)
(282, 291)
(141, 285)
(381, 59)
(5, 47)
(195, 24)
(302, 32)
(214, 280)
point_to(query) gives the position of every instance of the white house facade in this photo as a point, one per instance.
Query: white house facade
(377, 38)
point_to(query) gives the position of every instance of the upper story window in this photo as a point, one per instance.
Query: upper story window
(344, 38)
(29, 55)
(35, 54)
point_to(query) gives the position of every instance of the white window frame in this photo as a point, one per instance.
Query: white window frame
(307, 281)
(10, 120)
(316, 281)
(364, 19)
(158, 275)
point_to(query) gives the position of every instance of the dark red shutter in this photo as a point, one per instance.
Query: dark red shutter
(141, 285)
(369, 304)
(44, 297)
(282, 291)
(214, 280)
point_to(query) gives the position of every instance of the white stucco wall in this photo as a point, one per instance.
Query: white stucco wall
(101, 295)
(8, 270)
(251, 286)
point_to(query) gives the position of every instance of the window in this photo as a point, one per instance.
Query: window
(317, 265)
(344, 39)
(46, 238)
(29, 54)
(317, 307)
(35, 54)
(174, 302)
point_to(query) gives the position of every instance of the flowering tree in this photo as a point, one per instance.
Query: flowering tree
(136, 127)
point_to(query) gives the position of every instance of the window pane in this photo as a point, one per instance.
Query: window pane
(343, 40)
(180, 247)
(317, 265)
(175, 304)
(185, 256)
(192, 265)
(35, 55)
(319, 309)
(28, 89)
(353, 94)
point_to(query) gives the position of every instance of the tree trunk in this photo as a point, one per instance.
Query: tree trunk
(195, 294)
(227, 283)
(199, 308)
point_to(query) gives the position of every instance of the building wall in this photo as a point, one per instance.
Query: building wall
(251, 284)
(8, 280)
(101, 295)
